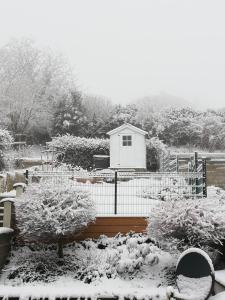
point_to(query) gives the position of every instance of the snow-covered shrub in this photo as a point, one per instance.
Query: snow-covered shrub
(154, 149)
(6, 141)
(78, 151)
(166, 189)
(192, 222)
(48, 212)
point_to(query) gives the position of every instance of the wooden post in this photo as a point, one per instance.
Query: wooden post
(177, 166)
(115, 199)
(26, 176)
(7, 216)
(204, 177)
(2, 184)
(9, 182)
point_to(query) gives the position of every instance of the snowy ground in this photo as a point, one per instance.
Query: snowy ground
(124, 265)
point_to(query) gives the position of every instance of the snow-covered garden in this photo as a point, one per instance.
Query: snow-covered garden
(121, 266)
(140, 265)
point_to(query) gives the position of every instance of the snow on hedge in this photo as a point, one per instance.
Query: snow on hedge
(47, 211)
(78, 151)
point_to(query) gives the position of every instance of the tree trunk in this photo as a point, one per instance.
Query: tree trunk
(60, 249)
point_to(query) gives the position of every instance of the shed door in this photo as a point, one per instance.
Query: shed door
(126, 157)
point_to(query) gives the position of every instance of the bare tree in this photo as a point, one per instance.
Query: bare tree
(32, 80)
(97, 106)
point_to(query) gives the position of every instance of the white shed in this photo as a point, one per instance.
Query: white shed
(127, 147)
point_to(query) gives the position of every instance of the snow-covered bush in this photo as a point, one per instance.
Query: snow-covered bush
(6, 141)
(154, 149)
(184, 223)
(78, 151)
(48, 212)
(166, 189)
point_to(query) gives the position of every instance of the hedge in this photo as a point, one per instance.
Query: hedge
(77, 151)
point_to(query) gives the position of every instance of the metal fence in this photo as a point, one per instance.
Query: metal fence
(128, 193)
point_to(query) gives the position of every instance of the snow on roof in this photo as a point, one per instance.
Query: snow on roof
(129, 126)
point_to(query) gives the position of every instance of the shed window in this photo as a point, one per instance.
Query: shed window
(127, 140)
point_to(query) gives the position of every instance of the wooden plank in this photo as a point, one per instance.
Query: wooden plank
(102, 221)
(111, 226)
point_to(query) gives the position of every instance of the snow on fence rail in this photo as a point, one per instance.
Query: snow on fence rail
(128, 193)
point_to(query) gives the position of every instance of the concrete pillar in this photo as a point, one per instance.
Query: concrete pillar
(20, 188)
(7, 217)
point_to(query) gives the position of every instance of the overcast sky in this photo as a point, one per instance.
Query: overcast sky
(125, 49)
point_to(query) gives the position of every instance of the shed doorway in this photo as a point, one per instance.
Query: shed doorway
(126, 150)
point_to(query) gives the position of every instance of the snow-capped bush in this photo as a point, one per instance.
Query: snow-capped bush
(47, 212)
(154, 149)
(78, 151)
(166, 189)
(189, 222)
(6, 141)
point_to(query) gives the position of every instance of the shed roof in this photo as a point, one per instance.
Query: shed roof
(129, 126)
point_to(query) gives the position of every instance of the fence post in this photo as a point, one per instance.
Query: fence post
(204, 177)
(19, 187)
(115, 199)
(26, 176)
(177, 167)
(196, 171)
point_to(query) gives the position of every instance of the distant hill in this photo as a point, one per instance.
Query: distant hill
(159, 102)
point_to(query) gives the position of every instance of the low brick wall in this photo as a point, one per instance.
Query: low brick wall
(5, 241)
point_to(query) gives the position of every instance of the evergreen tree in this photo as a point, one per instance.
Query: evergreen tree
(70, 116)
